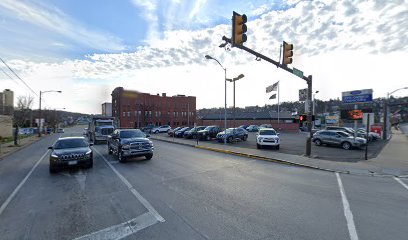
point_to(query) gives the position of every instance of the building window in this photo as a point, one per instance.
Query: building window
(174, 113)
(124, 114)
(128, 114)
(159, 114)
(150, 113)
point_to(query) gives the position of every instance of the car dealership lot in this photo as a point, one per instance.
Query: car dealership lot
(295, 143)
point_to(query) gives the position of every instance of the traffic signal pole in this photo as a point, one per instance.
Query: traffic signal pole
(309, 117)
(286, 68)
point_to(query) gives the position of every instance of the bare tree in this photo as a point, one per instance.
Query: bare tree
(22, 113)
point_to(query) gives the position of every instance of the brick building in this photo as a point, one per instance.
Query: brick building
(133, 109)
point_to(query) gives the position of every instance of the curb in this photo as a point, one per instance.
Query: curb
(24, 146)
(281, 161)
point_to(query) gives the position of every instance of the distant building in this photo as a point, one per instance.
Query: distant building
(6, 102)
(286, 120)
(107, 109)
(135, 109)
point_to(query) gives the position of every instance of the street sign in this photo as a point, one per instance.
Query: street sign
(302, 94)
(357, 96)
(332, 120)
(297, 72)
(365, 116)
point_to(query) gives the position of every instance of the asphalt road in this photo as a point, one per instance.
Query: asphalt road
(188, 193)
(295, 143)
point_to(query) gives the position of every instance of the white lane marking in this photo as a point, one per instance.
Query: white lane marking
(8, 200)
(80, 176)
(347, 211)
(141, 199)
(401, 182)
(123, 229)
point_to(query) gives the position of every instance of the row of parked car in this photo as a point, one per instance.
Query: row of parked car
(209, 132)
(345, 137)
(266, 135)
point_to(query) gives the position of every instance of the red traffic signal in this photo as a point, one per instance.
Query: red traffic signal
(302, 118)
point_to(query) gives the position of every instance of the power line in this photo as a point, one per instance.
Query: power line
(15, 74)
(8, 76)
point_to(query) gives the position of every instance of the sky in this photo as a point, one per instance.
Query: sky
(87, 48)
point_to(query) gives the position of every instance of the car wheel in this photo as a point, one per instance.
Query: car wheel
(277, 147)
(244, 138)
(121, 158)
(208, 138)
(229, 139)
(53, 170)
(318, 142)
(258, 146)
(346, 145)
(148, 156)
(156, 132)
(109, 150)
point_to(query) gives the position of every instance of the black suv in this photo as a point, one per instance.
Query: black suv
(130, 143)
(70, 152)
(232, 134)
(209, 132)
(192, 133)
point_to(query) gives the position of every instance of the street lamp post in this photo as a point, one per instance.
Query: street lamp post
(385, 120)
(233, 81)
(314, 94)
(225, 83)
(39, 110)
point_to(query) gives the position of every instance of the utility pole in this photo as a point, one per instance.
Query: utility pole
(309, 117)
(39, 118)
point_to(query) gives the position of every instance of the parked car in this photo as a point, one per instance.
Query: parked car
(172, 131)
(70, 151)
(49, 130)
(60, 130)
(244, 126)
(371, 135)
(267, 137)
(192, 133)
(208, 133)
(161, 129)
(266, 125)
(339, 138)
(232, 133)
(252, 128)
(180, 132)
(351, 131)
(148, 128)
(127, 143)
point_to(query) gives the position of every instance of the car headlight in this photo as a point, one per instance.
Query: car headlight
(54, 156)
(151, 143)
(125, 147)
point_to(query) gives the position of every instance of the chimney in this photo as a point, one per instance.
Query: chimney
(163, 94)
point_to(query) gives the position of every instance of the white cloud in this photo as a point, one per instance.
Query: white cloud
(54, 20)
(149, 8)
(197, 5)
(344, 47)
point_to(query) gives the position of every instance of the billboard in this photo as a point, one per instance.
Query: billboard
(332, 119)
(302, 94)
(354, 114)
(357, 96)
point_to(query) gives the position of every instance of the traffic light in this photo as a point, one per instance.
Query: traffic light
(239, 29)
(287, 53)
(303, 118)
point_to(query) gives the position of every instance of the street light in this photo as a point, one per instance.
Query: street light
(39, 112)
(233, 81)
(314, 94)
(225, 81)
(385, 120)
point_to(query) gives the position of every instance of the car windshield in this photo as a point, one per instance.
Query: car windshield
(229, 130)
(132, 134)
(267, 132)
(70, 143)
(209, 128)
(184, 129)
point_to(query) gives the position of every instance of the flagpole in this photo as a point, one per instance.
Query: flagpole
(278, 101)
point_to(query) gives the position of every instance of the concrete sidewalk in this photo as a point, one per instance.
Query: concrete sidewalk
(392, 161)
